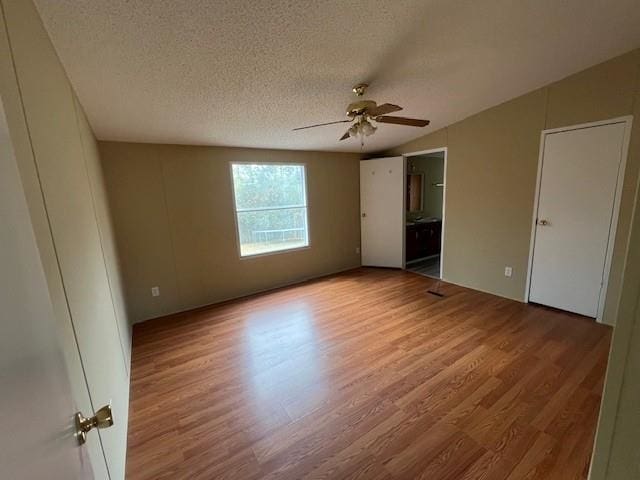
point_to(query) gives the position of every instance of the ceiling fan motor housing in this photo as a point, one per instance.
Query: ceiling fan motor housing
(360, 107)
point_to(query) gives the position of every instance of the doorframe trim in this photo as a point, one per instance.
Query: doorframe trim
(627, 120)
(445, 150)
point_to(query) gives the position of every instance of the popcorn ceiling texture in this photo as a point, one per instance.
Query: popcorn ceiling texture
(245, 72)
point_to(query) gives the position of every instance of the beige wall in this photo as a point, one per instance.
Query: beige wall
(60, 170)
(173, 212)
(492, 168)
(616, 454)
(104, 223)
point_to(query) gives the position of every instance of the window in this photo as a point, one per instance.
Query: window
(271, 207)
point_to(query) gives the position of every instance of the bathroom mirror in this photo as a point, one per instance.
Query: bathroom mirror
(415, 188)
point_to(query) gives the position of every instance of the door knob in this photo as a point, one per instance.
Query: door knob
(364, 215)
(543, 222)
(103, 418)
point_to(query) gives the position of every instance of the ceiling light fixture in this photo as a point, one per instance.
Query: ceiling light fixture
(362, 128)
(362, 112)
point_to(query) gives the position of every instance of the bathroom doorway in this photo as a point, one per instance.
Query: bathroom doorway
(424, 211)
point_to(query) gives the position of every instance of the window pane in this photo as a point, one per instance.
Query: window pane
(264, 186)
(271, 230)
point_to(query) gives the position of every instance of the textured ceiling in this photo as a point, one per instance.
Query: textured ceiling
(245, 72)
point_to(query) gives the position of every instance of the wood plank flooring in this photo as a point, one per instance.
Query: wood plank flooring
(364, 375)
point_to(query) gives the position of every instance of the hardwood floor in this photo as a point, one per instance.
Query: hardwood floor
(365, 375)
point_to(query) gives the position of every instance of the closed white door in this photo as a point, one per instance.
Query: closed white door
(382, 211)
(36, 402)
(575, 210)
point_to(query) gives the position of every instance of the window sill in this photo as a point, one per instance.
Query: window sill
(274, 252)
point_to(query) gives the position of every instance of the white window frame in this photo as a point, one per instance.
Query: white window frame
(305, 206)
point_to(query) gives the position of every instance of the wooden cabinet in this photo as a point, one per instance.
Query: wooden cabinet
(423, 240)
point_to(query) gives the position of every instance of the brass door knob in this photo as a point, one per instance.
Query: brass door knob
(103, 418)
(543, 222)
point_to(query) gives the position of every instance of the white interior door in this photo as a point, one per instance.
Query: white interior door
(382, 211)
(575, 211)
(36, 403)
(63, 174)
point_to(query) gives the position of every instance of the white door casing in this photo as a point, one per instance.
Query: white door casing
(580, 175)
(382, 217)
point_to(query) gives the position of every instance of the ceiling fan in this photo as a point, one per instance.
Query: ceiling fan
(362, 112)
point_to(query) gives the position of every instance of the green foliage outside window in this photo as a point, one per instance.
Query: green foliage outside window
(271, 207)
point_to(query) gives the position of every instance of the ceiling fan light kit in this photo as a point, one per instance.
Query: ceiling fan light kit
(362, 128)
(362, 112)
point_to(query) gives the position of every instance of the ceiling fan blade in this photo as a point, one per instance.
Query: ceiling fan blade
(345, 136)
(323, 124)
(412, 122)
(384, 109)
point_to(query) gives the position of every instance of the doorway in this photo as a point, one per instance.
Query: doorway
(579, 187)
(424, 211)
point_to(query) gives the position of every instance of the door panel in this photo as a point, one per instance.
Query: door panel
(36, 406)
(575, 208)
(40, 224)
(382, 211)
(53, 124)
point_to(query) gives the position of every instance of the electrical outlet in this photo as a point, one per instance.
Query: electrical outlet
(155, 291)
(357, 249)
(508, 271)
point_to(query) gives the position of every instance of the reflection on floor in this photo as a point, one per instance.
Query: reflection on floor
(429, 267)
(366, 375)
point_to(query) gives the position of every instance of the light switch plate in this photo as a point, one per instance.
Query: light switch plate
(155, 291)
(508, 271)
